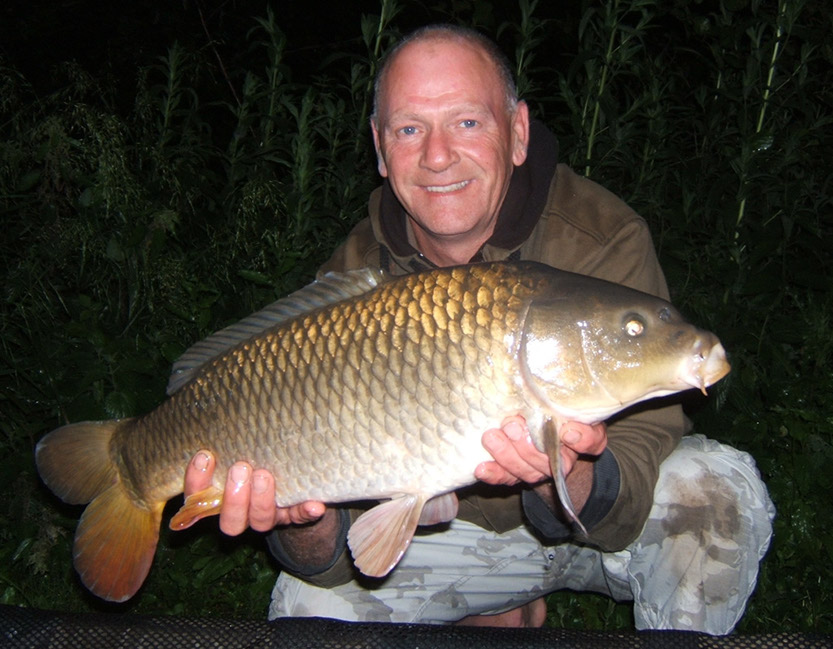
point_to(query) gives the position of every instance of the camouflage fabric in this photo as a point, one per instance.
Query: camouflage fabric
(693, 567)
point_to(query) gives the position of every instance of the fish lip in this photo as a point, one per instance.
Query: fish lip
(705, 369)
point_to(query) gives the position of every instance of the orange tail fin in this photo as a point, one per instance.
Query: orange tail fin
(117, 536)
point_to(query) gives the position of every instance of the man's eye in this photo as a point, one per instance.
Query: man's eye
(468, 123)
(408, 130)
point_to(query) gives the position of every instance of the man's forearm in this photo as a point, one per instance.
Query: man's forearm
(312, 544)
(579, 485)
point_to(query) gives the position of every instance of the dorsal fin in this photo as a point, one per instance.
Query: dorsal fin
(324, 291)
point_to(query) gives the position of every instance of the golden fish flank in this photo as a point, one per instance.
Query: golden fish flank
(363, 386)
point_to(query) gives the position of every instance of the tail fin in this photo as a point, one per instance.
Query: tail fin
(117, 536)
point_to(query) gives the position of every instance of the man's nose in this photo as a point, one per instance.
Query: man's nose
(438, 152)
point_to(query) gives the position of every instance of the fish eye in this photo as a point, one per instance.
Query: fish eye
(634, 326)
(665, 314)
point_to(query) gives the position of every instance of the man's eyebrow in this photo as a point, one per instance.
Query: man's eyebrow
(478, 109)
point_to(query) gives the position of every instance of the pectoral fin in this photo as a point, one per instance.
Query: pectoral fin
(552, 445)
(380, 536)
(196, 506)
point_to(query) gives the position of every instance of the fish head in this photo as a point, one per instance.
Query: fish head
(591, 348)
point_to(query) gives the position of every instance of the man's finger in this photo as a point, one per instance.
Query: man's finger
(584, 439)
(513, 456)
(309, 511)
(262, 506)
(234, 513)
(199, 472)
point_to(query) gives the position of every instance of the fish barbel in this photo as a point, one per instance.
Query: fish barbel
(366, 386)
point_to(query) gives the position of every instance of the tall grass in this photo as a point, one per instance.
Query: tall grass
(133, 229)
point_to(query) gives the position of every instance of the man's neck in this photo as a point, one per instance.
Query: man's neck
(445, 251)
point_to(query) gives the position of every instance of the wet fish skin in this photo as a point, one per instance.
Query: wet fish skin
(382, 394)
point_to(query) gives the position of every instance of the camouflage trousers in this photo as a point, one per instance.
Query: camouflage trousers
(693, 567)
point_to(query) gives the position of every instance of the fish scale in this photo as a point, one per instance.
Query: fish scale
(364, 386)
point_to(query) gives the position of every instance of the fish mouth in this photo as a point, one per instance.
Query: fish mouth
(706, 366)
(446, 189)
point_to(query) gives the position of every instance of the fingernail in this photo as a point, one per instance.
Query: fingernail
(259, 483)
(239, 474)
(201, 461)
(572, 436)
(514, 431)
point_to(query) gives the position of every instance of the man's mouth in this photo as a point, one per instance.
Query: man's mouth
(444, 189)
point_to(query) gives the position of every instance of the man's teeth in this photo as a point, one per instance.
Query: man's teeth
(442, 189)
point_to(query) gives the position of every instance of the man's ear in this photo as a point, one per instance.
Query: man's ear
(520, 133)
(380, 159)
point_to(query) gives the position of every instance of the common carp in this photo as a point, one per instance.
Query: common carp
(366, 386)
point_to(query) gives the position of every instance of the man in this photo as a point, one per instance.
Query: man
(676, 524)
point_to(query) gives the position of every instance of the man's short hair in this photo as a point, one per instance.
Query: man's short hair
(454, 33)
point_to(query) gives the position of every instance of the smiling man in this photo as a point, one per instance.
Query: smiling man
(676, 523)
(448, 138)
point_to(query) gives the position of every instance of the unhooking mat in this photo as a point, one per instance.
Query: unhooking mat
(35, 629)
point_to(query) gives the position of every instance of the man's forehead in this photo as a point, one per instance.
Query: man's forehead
(440, 71)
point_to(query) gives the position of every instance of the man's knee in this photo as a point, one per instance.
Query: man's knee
(709, 488)
(696, 562)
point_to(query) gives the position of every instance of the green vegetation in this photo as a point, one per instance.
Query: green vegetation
(134, 228)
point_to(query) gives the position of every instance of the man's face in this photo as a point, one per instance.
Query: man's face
(445, 139)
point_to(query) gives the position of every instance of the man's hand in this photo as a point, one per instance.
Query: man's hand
(517, 459)
(249, 497)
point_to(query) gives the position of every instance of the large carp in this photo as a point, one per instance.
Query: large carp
(366, 386)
